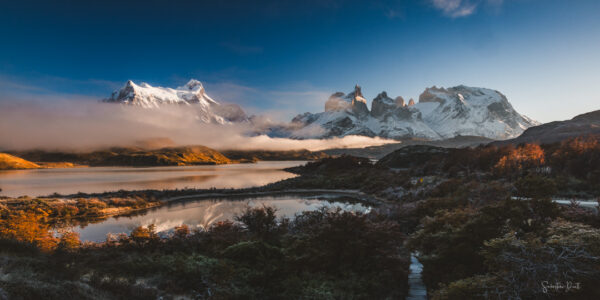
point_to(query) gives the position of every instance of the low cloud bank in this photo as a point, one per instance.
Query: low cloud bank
(86, 125)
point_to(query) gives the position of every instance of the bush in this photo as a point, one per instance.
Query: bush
(69, 242)
(450, 242)
(537, 187)
(261, 221)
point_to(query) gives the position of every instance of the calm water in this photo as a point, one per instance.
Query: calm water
(44, 182)
(203, 213)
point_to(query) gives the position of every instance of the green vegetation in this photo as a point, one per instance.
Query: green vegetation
(318, 255)
(474, 240)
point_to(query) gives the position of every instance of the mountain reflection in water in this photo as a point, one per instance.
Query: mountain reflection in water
(201, 214)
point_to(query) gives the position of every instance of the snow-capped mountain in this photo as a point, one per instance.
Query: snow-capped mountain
(191, 94)
(439, 114)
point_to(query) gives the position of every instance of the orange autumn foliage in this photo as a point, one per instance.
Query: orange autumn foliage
(580, 157)
(28, 227)
(524, 157)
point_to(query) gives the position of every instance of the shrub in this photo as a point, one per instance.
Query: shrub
(535, 186)
(143, 235)
(450, 241)
(69, 242)
(260, 221)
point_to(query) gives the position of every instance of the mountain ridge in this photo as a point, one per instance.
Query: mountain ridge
(586, 124)
(440, 114)
(191, 94)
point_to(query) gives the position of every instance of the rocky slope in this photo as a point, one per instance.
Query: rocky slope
(439, 114)
(191, 94)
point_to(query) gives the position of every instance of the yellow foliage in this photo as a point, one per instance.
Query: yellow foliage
(10, 162)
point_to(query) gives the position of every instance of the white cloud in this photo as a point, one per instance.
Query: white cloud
(463, 8)
(456, 8)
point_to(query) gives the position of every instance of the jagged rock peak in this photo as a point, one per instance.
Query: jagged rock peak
(192, 84)
(382, 95)
(400, 101)
(382, 104)
(357, 96)
(337, 101)
(357, 91)
(440, 114)
(353, 101)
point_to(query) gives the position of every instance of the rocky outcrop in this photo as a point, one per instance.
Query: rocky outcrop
(400, 101)
(382, 104)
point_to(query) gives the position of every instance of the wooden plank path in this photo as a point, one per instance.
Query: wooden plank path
(416, 287)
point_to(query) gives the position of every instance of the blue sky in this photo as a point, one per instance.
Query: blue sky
(285, 57)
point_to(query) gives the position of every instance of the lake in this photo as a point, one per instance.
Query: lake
(200, 214)
(42, 182)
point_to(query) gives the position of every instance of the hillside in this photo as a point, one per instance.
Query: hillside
(256, 155)
(10, 162)
(171, 156)
(377, 152)
(587, 124)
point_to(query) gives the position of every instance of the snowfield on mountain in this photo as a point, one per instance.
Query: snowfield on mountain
(440, 114)
(191, 94)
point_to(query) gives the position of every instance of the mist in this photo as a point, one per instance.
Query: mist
(84, 125)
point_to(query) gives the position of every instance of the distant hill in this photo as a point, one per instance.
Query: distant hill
(255, 155)
(587, 124)
(11, 162)
(377, 152)
(171, 156)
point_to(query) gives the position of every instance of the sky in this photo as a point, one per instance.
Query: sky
(286, 57)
